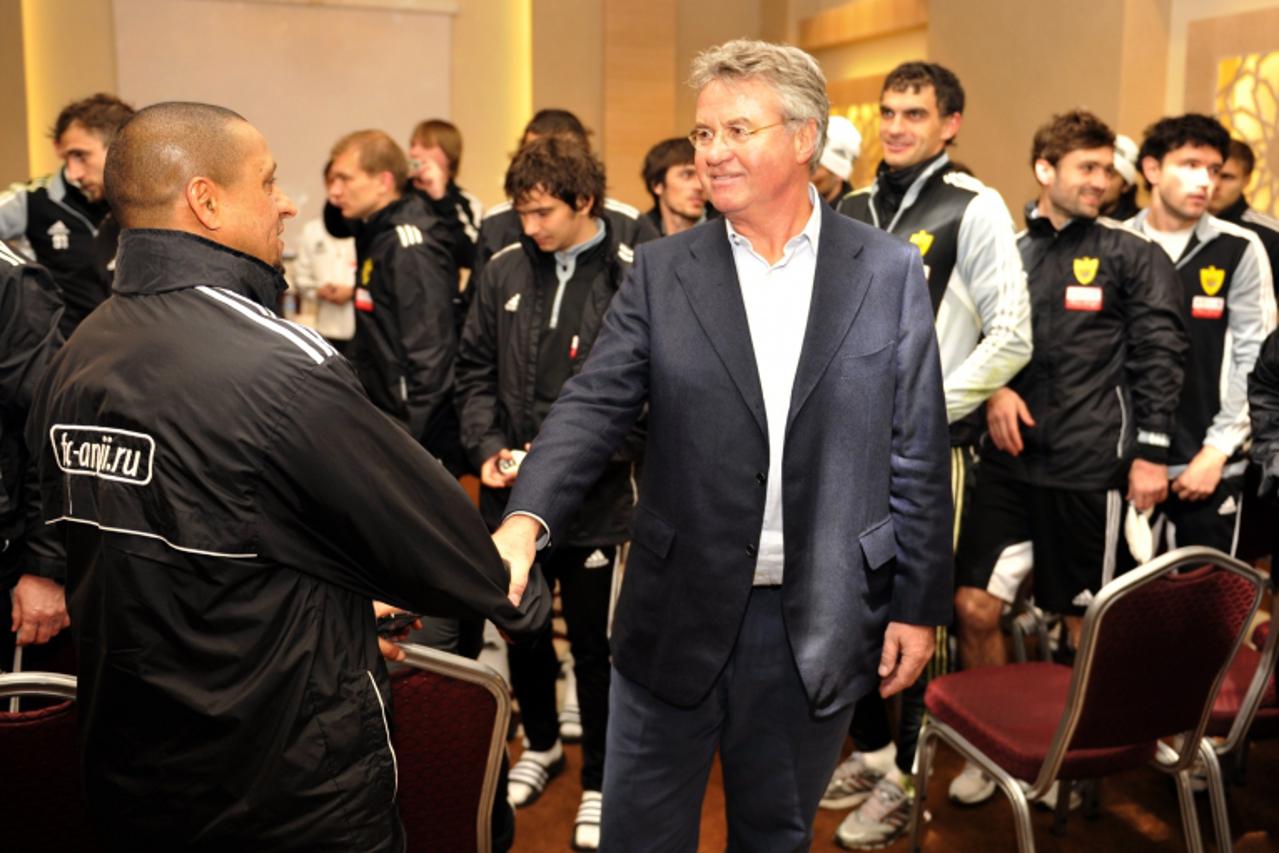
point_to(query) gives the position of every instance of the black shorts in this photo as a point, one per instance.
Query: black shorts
(1071, 539)
(1213, 521)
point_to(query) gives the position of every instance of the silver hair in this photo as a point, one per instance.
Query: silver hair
(793, 74)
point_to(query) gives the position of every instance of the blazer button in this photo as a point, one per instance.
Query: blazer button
(750, 550)
(760, 478)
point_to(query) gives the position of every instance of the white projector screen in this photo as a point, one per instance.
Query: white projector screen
(303, 74)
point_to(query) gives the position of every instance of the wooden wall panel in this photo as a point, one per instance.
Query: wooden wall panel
(861, 20)
(640, 84)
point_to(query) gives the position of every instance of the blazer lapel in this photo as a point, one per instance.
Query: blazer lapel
(839, 286)
(709, 278)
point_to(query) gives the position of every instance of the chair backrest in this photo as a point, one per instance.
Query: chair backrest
(1262, 678)
(1154, 649)
(449, 733)
(40, 768)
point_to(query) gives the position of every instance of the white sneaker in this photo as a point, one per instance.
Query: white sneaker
(971, 786)
(851, 783)
(586, 826)
(570, 713)
(882, 818)
(531, 774)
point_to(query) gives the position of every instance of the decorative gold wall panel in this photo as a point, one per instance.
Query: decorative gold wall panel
(1247, 103)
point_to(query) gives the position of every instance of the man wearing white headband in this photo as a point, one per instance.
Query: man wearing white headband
(835, 168)
(1120, 200)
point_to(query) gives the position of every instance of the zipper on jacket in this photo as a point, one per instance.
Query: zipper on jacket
(404, 390)
(1123, 422)
(395, 765)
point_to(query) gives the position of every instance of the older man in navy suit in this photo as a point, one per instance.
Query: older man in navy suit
(792, 540)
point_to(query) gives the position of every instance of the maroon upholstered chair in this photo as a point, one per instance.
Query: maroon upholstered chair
(40, 768)
(450, 717)
(1155, 647)
(1247, 706)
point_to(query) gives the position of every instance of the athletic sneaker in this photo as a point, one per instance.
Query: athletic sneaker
(882, 818)
(586, 826)
(851, 783)
(571, 713)
(971, 786)
(531, 774)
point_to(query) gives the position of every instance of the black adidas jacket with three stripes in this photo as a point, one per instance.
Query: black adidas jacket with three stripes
(30, 308)
(498, 370)
(231, 502)
(405, 331)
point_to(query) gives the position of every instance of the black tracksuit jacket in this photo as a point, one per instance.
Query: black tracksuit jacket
(1108, 364)
(497, 372)
(30, 308)
(231, 502)
(405, 333)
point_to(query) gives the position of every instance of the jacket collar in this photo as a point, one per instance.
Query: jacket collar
(1235, 212)
(1207, 229)
(390, 216)
(840, 282)
(153, 260)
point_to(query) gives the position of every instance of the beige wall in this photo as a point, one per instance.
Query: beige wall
(1016, 62)
(704, 23)
(568, 60)
(492, 89)
(13, 96)
(69, 53)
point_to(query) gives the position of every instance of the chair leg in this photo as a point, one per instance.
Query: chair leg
(1092, 799)
(1189, 817)
(1216, 795)
(1021, 809)
(925, 748)
(1062, 810)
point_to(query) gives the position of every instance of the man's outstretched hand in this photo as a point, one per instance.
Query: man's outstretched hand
(516, 540)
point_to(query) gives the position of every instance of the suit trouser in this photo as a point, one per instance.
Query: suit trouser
(776, 756)
(585, 593)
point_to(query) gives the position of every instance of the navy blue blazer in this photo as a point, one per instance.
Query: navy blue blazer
(866, 498)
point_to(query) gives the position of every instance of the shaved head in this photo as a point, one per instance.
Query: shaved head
(160, 149)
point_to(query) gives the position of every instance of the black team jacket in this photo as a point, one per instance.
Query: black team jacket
(231, 503)
(30, 308)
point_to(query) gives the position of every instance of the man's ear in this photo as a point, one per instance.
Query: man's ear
(204, 198)
(1044, 172)
(584, 203)
(806, 142)
(950, 126)
(1151, 170)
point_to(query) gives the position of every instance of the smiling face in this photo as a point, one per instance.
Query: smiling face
(911, 127)
(1182, 182)
(1076, 186)
(766, 168)
(254, 207)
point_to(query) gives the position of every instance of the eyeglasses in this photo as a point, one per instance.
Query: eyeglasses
(734, 135)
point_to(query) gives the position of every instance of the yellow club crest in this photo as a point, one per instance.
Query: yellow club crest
(923, 241)
(1085, 270)
(366, 272)
(1211, 279)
